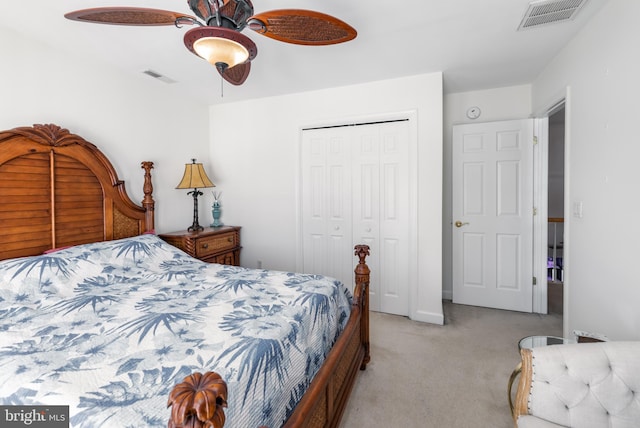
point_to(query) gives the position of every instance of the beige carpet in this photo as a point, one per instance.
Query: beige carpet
(456, 375)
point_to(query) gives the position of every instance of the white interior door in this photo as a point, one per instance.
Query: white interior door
(355, 189)
(493, 214)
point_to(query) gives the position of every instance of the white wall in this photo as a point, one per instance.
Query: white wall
(507, 103)
(130, 119)
(601, 68)
(255, 158)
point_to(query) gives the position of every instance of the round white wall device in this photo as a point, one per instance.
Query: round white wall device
(473, 112)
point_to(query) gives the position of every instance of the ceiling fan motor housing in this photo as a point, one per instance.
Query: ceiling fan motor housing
(231, 13)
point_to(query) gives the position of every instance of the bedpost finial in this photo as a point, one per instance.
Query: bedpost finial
(362, 270)
(362, 251)
(148, 187)
(198, 401)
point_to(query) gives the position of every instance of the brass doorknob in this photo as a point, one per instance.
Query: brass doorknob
(460, 224)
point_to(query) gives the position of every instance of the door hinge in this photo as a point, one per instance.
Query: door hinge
(535, 211)
(535, 281)
(535, 140)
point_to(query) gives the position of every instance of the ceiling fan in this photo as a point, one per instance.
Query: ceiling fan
(217, 35)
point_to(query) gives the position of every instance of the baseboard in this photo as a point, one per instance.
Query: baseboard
(428, 317)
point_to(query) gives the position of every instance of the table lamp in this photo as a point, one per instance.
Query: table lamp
(194, 178)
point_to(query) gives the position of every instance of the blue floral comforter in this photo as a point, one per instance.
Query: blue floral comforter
(109, 328)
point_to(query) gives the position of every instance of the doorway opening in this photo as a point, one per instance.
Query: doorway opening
(555, 211)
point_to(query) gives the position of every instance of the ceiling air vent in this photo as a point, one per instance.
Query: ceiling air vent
(159, 76)
(545, 12)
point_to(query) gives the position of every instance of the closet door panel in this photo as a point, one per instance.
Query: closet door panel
(338, 225)
(314, 208)
(366, 202)
(394, 217)
(326, 204)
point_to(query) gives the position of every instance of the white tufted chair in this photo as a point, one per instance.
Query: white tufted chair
(580, 385)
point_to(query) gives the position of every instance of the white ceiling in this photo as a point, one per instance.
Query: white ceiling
(473, 42)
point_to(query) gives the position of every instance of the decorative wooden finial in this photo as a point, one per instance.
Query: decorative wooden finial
(362, 270)
(362, 251)
(198, 401)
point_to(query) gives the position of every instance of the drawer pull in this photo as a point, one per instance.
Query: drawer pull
(230, 239)
(205, 245)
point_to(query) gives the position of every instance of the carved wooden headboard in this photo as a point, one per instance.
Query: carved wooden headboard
(57, 189)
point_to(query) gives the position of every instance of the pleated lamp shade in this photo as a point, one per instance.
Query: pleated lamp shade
(194, 177)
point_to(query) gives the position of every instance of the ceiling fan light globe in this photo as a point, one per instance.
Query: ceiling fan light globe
(220, 50)
(220, 46)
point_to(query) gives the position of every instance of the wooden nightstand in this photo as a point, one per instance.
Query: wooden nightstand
(212, 245)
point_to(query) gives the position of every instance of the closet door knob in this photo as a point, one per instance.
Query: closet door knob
(368, 229)
(460, 224)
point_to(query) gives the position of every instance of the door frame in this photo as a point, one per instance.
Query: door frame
(541, 203)
(412, 117)
(540, 193)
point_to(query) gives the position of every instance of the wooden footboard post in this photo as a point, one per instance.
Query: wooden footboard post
(362, 289)
(148, 203)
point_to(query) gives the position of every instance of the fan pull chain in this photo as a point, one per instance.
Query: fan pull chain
(221, 87)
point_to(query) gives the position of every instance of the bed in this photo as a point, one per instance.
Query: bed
(98, 313)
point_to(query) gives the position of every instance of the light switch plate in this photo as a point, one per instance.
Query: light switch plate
(577, 209)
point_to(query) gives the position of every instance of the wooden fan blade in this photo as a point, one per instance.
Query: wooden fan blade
(238, 74)
(126, 16)
(302, 27)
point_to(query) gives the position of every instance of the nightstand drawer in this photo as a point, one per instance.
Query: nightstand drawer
(213, 244)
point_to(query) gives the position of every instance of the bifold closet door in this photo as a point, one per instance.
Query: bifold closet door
(326, 204)
(355, 189)
(380, 182)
